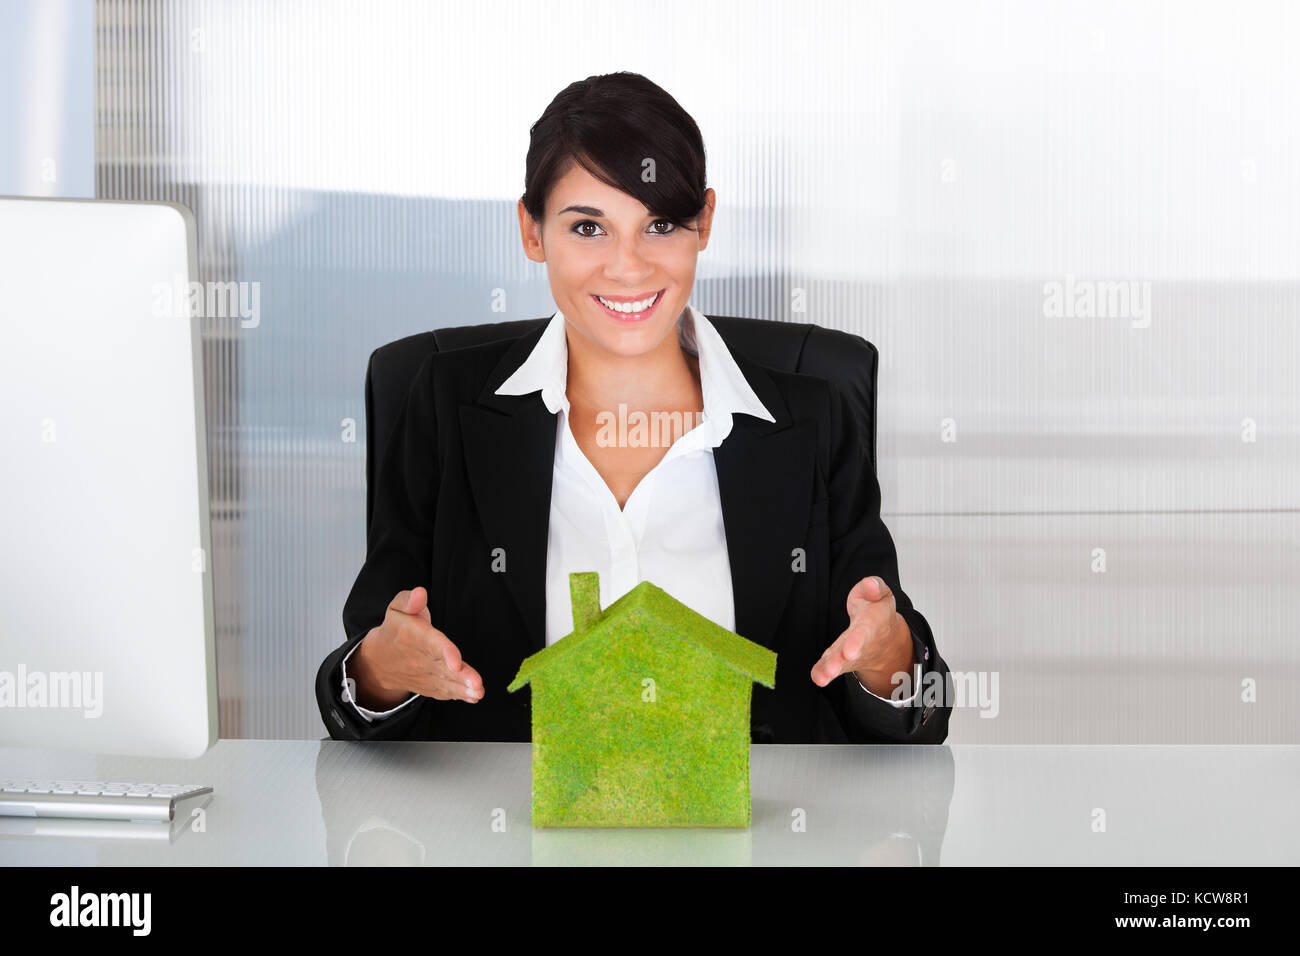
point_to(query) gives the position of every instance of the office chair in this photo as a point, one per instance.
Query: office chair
(848, 360)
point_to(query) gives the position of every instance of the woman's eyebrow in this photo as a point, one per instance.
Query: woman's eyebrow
(584, 210)
(593, 211)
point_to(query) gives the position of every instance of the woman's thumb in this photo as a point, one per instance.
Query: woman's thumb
(416, 600)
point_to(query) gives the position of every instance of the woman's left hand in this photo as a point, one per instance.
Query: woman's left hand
(876, 645)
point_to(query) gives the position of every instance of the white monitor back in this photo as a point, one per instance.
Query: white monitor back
(106, 626)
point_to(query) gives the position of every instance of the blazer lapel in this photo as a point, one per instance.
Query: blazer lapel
(509, 446)
(765, 479)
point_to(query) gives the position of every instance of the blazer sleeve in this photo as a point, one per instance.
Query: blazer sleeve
(398, 557)
(861, 546)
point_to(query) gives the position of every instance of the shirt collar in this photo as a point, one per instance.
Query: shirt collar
(726, 390)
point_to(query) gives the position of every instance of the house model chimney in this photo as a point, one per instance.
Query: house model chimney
(584, 588)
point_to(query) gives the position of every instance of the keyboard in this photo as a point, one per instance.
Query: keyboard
(95, 799)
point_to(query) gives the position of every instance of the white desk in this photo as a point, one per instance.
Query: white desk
(345, 803)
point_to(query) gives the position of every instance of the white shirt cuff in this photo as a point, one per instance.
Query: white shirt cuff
(896, 704)
(369, 715)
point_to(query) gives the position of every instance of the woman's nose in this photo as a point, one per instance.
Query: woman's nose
(628, 262)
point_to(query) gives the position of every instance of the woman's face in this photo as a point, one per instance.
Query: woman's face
(600, 243)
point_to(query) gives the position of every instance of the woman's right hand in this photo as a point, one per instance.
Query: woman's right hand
(406, 654)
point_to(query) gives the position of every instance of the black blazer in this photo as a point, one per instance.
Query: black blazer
(467, 472)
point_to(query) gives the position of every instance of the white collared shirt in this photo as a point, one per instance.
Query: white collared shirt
(670, 530)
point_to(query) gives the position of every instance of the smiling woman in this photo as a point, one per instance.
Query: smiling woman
(522, 460)
(615, 204)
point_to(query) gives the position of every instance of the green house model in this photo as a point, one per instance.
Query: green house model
(641, 715)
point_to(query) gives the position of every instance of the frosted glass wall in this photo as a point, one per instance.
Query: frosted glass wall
(1070, 229)
(47, 88)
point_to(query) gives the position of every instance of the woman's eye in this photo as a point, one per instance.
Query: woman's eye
(578, 228)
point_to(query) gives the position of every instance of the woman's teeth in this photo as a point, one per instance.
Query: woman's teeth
(629, 306)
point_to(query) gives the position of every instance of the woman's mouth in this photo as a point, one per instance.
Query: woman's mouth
(630, 310)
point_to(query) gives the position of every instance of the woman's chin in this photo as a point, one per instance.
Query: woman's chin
(634, 340)
(627, 338)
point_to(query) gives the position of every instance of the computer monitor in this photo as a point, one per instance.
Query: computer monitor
(106, 616)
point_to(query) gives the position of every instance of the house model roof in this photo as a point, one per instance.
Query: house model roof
(647, 607)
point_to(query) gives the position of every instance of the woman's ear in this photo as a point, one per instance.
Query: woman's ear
(704, 222)
(530, 233)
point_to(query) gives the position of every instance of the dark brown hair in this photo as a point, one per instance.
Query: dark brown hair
(610, 125)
